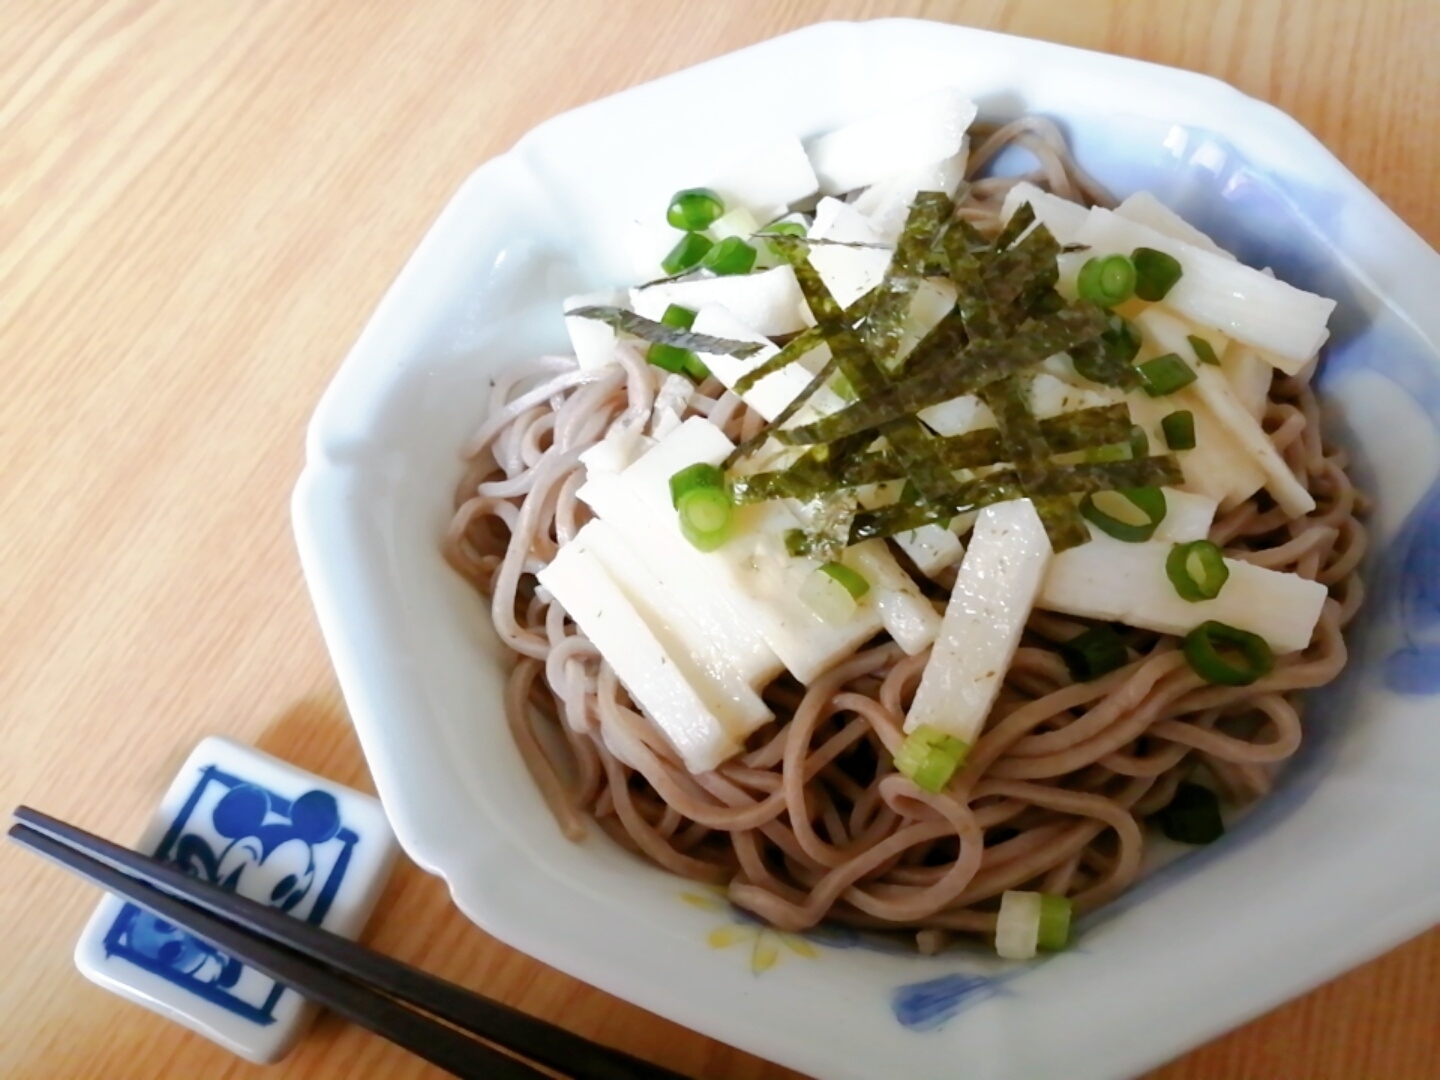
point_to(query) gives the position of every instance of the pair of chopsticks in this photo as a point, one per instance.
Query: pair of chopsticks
(478, 1038)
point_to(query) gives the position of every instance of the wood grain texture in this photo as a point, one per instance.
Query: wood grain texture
(201, 201)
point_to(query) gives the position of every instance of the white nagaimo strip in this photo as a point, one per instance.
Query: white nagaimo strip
(769, 302)
(1145, 209)
(672, 559)
(933, 299)
(1187, 517)
(1215, 291)
(581, 585)
(887, 202)
(1169, 334)
(694, 639)
(848, 272)
(1250, 377)
(1218, 466)
(907, 135)
(932, 548)
(1049, 396)
(907, 616)
(1061, 216)
(771, 394)
(622, 446)
(592, 340)
(992, 598)
(752, 571)
(1127, 583)
(768, 179)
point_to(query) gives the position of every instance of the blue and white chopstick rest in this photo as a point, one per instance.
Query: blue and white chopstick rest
(265, 829)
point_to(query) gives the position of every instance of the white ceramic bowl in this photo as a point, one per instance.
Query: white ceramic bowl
(1341, 863)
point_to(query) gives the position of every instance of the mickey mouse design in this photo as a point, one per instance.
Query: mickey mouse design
(269, 857)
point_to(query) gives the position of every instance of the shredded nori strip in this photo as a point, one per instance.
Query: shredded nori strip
(977, 366)
(648, 330)
(800, 345)
(1025, 444)
(922, 234)
(814, 472)
(1019, 221)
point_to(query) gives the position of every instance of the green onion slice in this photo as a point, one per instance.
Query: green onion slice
(930, 757)
(1055, 913)
(1197, 570)
(705, 516)
(1129, 514)
(1225, 655)
(1192, 816)
(1203, 351)
(686, 254)
(1165, 375)
(669, 358)
(852, 581)
(1108, 281)
(1155, 273)
(682, 318)
(694, 209)
(700, 475)
(1179, 430)
(1098, 651)
(730, 256)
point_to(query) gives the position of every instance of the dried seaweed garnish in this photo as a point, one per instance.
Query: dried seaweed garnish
(976, 366)
(1024, 270)
(922, 234)
(1108, 359)
(1026, 446)
(815, 472)
(1019, 221)
(648, 330)
(803, 343)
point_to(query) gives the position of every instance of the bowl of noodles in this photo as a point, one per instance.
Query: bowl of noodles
(1044, 683)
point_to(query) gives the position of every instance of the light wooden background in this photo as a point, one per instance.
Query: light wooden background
(201, 202)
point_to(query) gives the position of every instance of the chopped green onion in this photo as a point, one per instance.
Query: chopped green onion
(700, 475)
(1139, 442)
(1107, 359)
(1179, 430)
(929, 757)
(669, 358)
(1246, 656)
(1203, 351)
(1129, 514)
(1055, 912)
(1155, 273)
(1113, 452)
(686, 254)
(730, 256)
(682, 318)
(1029, 921)
(1192, 816)
(851, 580)
(780, 228)
(1098, 651)
(694, 209)
(1164, 375)
(705, 516)
(1108, 281)
(1197, 570)
(696, 369)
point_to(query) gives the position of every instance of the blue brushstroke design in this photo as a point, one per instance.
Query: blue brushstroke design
(1414, 668)
(929, 1005)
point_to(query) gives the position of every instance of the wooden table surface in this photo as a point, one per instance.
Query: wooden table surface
(201, 201)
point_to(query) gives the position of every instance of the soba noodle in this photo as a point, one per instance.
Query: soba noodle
(812, 822)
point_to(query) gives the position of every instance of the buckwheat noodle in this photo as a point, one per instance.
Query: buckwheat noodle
(811, 822)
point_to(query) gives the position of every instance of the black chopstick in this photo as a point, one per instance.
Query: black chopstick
(348, 978)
